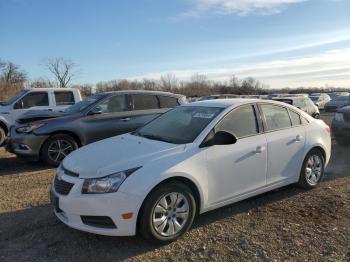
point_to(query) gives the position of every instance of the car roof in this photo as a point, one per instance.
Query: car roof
(224, 103)
(143, 92)
(50, 89)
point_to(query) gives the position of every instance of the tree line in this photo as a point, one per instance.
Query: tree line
(13, 78)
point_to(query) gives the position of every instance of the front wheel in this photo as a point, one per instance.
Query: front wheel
(312, 170)
(168, 212)
(56, 148)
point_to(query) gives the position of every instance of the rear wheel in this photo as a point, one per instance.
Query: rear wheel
(2, 135)
(317, 116)
(168, 212)
(313, 169)
(56, 148)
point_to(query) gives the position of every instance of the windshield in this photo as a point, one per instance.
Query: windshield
(80, 106)
(14, 98)
(179, 126)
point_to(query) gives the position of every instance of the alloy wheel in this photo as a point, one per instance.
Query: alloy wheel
(170, 214)
(59, 149)
(313, 169)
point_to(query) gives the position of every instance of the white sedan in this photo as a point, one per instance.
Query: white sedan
(192, 159)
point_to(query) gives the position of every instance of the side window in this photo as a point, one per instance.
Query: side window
(168, 102)
(114, 104)
(33, 99)
(295, 117)
(276, 117)
(241, 122)
(64, 98)
(144, 102)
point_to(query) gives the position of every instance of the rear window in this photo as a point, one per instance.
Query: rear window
(168, 101)
(144, 102)
(276, 117)
(64, 98)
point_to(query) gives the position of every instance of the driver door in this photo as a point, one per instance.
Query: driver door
(32, 100)
(234, 170)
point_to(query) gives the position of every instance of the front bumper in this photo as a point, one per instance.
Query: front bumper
(341, 129)
(27, 145)
(71, 209)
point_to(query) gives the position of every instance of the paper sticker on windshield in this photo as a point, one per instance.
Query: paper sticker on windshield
(203, 115)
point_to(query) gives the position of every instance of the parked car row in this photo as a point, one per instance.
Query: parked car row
(148, 162)
(192, 159)
(51, 136)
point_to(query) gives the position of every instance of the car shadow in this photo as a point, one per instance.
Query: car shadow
(11, 165)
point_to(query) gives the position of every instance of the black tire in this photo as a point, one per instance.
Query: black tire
(47, 155)
(317, 116)
(304, 182)
(145, 222)
(2, 136)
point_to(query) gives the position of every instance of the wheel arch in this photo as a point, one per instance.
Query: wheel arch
(61, 132)
(188, 182)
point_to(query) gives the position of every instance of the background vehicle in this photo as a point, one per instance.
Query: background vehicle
(95, 118)
(337, 102)
(335, 94)
(221, 96)
(34, 99)
(341, 126)
(194, 158)
(320, 99)
(302, 103)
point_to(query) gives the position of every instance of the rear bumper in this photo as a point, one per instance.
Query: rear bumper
(26, 145)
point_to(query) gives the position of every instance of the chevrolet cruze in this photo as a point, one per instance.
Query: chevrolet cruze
(192, 159)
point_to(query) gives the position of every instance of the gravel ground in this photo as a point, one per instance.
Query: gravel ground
(287, 224)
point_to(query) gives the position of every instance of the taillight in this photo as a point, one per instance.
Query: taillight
(328, 129)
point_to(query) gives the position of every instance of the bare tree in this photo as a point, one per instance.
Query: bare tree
(168, 82)
(12, 74)
(62, 69)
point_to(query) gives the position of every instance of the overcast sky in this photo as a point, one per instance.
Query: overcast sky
(280, 42)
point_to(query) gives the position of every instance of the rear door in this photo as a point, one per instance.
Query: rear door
(145, 108)
(63, 99)
(285, 142)
(113, 119)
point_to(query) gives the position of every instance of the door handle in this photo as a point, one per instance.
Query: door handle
(298, 138)
(260, 149)
(125, 119)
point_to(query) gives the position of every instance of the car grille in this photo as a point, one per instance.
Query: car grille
(69, 173)
(62, 187)
(98, 221)
(347, 117)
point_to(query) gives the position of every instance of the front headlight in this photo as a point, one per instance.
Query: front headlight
(339, 117)
(29, 128)
(107, 184)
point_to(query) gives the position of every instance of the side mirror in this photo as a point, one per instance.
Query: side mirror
(96, 111)
(19, 104)
(220, 138)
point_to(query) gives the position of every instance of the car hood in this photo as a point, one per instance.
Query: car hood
(116, 154)
(36, 115)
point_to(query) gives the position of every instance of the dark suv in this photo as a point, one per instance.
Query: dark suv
(97, 117)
